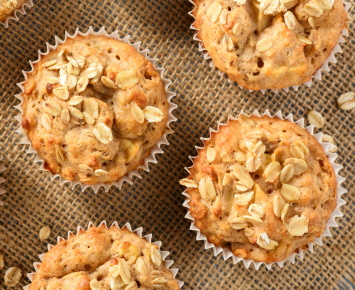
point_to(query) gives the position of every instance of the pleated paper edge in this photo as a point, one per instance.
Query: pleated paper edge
(317, 75)
(17, 12)
(138, 232)
(155, 150)
(226, 253)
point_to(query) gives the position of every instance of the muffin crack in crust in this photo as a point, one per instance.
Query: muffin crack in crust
(101, 259)
(262, 187)
(93, 108)
(269, 44)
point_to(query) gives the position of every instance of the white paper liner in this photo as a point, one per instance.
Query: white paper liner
(16, 13)
(331, 222)
(139, 232)
(155, 150)
(317, 75)
(2, 180)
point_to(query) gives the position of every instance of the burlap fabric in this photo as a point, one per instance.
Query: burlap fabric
(155, 201)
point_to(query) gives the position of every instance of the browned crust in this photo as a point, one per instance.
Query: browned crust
(76, 140)
(73, 263)
(302, 60)
(212, 217)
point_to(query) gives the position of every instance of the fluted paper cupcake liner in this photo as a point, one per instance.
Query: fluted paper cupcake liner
(2, 180)
(17, 12)
(301, 252)
(155, 150)
(139, 232)
(317, 75)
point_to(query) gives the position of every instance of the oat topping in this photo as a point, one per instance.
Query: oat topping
(290, 193)
(264, 44)
(103, 133)
(85, 89)
(256, 210)
(153, 114)
(188, 183)
(304, 39)
(155, 256)
(269, 44)
(214, 11)
(290, 20)
(206, 188)
(137, 113)
(115, 259)
(264, 242)
(264, 198)
(238, 223)
(298, 225)
(311, 22)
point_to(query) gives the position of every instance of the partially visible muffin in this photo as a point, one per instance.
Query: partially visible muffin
(263, 44)
(101, 259)
(93, 109)
(261, 187)
(7, 8)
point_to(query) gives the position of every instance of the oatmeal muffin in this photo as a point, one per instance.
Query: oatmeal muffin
(269, 44)
(93, 108)
(7, 8)
(102, 258)
(261, 187)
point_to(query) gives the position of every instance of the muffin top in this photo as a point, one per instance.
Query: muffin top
(269, 44)
(8, 6)
(93, 108)
(101, 259)
(262, 187)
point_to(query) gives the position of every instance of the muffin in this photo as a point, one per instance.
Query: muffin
(261, 187)
(102, 258)
(93, 109)
(269, 44)
(7, 8)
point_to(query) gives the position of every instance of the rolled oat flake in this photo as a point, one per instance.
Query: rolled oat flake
(12, 276)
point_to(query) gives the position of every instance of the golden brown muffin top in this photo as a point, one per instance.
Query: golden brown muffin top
(269, 44)
(262, 187)
(101, 259)
(93, 108)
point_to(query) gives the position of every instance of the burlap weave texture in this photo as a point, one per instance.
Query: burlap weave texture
(154, 202)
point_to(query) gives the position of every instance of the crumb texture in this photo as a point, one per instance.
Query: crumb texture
(262, 187)
(93, 109)
(269, 44)
(101, 259)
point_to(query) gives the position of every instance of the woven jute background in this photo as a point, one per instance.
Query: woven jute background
(155, 201)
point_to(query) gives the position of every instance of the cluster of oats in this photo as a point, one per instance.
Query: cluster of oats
(267, 9)
(132, 262)
(74, 75)
(274, 171)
